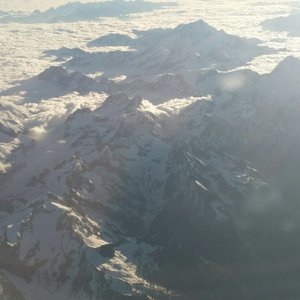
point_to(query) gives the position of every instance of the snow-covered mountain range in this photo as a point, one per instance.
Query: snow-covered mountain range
(188, 47)
(181, 184)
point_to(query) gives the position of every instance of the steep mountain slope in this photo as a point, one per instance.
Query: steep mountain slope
(10, 119)
(11, 125)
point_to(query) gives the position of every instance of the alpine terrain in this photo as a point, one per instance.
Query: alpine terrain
(172, 173)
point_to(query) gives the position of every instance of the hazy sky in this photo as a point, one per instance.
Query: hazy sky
(32, 4)
(44, 4)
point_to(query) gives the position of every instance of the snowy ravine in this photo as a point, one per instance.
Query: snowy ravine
(155, 196)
